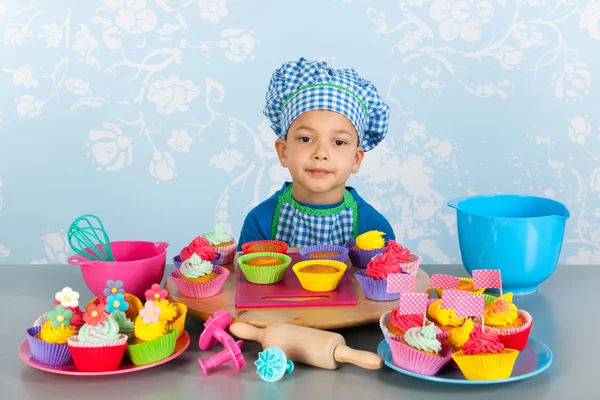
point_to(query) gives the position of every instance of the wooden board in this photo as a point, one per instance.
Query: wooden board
(364, 312)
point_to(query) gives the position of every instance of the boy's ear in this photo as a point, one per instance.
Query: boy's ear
(358, 157)
(281, 148)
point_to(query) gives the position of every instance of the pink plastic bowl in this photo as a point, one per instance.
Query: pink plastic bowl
(138, 264)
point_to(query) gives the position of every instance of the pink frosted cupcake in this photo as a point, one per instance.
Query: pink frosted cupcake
(222, 242)
(199, 278)
(419, 351)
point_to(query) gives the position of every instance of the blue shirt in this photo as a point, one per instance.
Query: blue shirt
(258, 222)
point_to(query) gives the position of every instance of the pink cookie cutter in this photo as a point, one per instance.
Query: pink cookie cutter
(215, 331)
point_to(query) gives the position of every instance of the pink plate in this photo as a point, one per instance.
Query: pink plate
(125, 367)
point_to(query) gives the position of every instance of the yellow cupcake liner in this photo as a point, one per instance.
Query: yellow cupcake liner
(264, 275)
(179, 323)
(476, 291)
(482, 367)
(315, 282)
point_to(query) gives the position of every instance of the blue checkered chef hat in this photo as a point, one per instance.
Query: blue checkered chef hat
(301, 86)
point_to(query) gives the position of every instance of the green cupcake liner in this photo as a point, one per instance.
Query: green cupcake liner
(154, 350)
(264, 275)
(488, 298)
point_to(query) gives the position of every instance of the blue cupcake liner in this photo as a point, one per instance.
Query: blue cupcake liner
(325, 247)
(360, 258)
(374, 289)
(47, 353)
(177, 260)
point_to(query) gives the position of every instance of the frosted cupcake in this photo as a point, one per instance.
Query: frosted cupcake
(48, 343)
(484, 357)
(199, 278)
(222, 242)
(69, 299)
(445, 319)
(365, 247)
(419, 351)
(172, 314)
(98, 346)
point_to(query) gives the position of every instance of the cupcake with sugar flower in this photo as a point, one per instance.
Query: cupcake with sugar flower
(393, 260)
(48, 341)
(153, 341)
(484, 357)
(366, 246)
(420, 351)
(99, 345)
(172, 313)
(222, 242)
(512, 325)
(117, 287)
(198, 278)
(69, 299)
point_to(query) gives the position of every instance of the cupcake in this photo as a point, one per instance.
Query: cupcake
(445, 319)
(222, 242)
(365, 247)
(320, 275)
(409, 262)
(116, 289)
(173, 314)
(373, 280)
(265, 246)
(125, 324)
(419, 351)
(392, 323)
(458, 336)
(484, 357)
(199, 278)
(264, 268)
(324, 252)
(508, 322)
(48, 342)
(465, 284)
(153, 342)
(202, 248)
(99, 346)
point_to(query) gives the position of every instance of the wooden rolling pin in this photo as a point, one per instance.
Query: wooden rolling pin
(307, 345)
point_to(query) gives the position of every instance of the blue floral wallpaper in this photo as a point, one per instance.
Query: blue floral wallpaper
(148, 113)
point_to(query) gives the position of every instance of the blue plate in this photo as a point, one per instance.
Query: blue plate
(534, 359)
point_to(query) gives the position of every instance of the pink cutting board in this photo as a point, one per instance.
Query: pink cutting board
(250, 295)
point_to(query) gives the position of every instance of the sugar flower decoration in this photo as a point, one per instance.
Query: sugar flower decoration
(94, 314)
(156, 293)
(60, 316)
(67, 297)
(116, 302)
(150, 312)
(113, 287)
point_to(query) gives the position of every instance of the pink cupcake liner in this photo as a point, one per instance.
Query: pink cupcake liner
(217, 261)
(374, 289)
(227, 252)
(360, 258)
(412, 267)
(512, 338)
(47, 353)
(200, 290)
(325, 247)
(417, 361)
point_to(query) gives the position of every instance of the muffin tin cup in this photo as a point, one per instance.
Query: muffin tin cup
(320, 282)
(264, 275)
(305, 251)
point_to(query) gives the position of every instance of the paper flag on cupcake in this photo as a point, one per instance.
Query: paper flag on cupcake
(401, 283)
(413, 303)
(443, 281)
(487, 278)
(464, 303)
(452, 296)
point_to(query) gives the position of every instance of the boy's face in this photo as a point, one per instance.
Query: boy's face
(321, 151)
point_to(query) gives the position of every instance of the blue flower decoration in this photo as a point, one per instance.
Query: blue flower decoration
(272, 364)
(113, 287)
(116, 302)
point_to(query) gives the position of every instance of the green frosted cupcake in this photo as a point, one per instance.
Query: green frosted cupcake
(264, 268)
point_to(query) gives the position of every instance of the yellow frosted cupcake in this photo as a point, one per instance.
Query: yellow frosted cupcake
(366, 246)
(445, 319)
(172, 314)
(465, 284)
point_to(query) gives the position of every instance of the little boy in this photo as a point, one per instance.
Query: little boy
(325, 120)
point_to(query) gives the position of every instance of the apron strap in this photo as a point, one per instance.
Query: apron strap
(286, 197)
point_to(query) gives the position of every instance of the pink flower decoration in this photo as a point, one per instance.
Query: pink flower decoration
(150, 312)
(156, 293)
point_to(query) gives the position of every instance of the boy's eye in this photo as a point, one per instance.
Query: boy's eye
(339, 142)
(305, 139)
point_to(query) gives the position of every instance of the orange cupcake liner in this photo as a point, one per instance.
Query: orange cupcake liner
(283, 245)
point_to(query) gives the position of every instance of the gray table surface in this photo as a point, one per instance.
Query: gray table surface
(27, 291)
